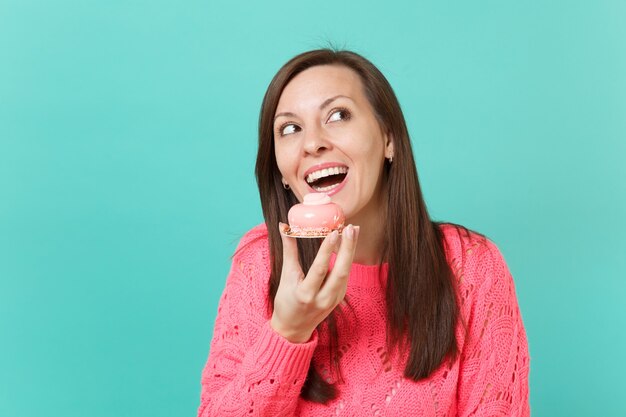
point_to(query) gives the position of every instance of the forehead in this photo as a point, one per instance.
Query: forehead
(318, 83)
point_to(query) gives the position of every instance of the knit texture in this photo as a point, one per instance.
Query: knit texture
(253, 371)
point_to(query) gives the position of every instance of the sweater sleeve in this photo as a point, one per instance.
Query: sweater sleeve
(493, 379)
(251, 370)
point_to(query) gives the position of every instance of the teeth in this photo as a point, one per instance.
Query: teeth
(325, 173)
(324, 189)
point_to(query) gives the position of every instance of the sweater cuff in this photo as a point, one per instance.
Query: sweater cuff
(280, 356)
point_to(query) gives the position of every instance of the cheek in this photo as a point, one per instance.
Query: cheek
(282, 159)
(371, 164)
(371, 152)
(288, 167)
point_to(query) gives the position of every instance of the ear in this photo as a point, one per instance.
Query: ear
(389, 151)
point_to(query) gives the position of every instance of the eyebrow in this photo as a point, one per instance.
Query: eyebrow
(322, 106)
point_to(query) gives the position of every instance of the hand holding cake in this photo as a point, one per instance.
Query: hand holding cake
(304, 298)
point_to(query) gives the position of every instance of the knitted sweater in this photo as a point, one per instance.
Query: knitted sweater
(253, 371)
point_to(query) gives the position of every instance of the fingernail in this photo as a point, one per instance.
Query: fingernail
(349, 232)
(357, 230)
(332, 238)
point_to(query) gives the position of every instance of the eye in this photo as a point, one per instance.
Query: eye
(288, 129)
(339, 114)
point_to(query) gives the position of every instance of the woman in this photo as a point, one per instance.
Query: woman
(399, 316)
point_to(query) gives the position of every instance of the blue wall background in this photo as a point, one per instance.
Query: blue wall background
(127, 144)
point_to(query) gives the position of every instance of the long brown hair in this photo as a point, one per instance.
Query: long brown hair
(422, 308)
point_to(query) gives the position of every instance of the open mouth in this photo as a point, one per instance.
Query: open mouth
(327, 179)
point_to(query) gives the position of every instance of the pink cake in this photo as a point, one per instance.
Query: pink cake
(317, 216)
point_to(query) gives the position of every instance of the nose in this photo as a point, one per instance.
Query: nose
(315, 141)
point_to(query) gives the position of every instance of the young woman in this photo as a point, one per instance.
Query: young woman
(398, 316)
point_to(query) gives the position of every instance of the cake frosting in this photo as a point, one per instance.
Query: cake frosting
(316, 216)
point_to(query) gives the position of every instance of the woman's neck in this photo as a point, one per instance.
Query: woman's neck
(369, 249)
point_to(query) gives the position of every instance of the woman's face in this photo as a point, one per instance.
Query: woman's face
(327, 139)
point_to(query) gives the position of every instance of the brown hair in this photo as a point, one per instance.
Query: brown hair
(422, 308)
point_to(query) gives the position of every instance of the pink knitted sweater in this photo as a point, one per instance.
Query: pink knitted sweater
(253, 371)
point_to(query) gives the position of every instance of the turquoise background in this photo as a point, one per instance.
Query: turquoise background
(127, 146)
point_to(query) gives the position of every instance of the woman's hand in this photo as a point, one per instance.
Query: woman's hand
(302, 302)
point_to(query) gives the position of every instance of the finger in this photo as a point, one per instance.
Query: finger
(290, 250)
(319, 268)
(337, 278)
